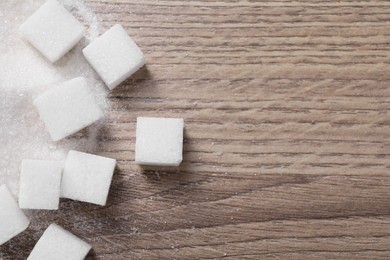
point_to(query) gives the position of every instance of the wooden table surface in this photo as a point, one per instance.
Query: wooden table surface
(287, 126)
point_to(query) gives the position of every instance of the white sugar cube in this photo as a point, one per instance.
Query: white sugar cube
(40, 183)
(12, 219)
(52, 30)
(159, 141)
(58, 243)
(114, 56)
(87, 177)
(68, 108)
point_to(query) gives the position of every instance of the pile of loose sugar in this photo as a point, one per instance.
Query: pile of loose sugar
(24, 74)
(46, 106)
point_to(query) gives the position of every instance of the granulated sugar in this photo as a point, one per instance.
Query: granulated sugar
(24, 74)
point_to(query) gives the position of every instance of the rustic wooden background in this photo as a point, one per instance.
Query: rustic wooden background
(286, 154)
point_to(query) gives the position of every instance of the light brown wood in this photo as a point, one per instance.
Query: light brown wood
(286, 106)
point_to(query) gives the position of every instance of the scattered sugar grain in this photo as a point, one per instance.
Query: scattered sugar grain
(24, 75)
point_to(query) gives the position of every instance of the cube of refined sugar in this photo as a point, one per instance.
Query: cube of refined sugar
(114, 56)
(87, 177)
(40, 183)
(52, 30)
(68, 108)
(12, 219)
(159, 141)
(58, 243)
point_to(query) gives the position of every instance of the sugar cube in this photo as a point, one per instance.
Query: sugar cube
(40, 183)
(87, 177)
(68, 108)
(12, 219)
(52, 30)
(58, 243)
(159, 141)
(114, 56)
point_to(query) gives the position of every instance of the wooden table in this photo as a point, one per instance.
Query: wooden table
(287, 126)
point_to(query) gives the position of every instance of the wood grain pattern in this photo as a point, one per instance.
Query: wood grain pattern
(286, 155)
